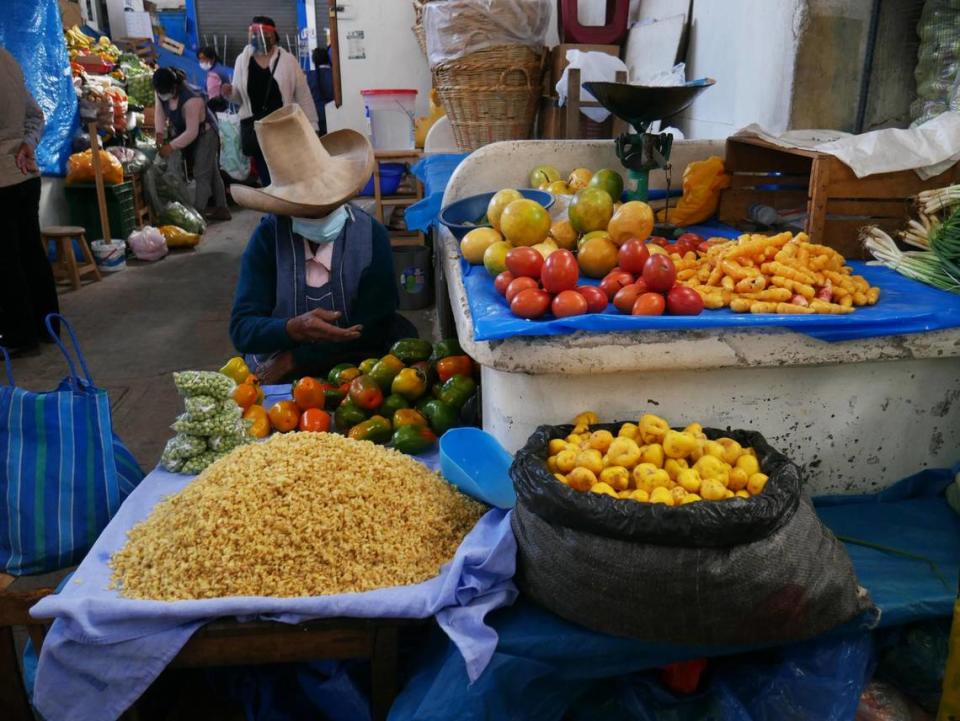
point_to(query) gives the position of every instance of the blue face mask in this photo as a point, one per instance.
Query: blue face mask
(321, 230)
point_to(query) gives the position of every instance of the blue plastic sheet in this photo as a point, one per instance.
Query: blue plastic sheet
(905, 306)
(544, 665)
(32, 32)
(434, 172)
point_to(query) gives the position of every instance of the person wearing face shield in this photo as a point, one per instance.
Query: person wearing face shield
(182, 115)
(265, 78)
(316, 284)
(215, 75)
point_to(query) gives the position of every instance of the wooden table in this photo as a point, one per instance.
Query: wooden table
(219, 643)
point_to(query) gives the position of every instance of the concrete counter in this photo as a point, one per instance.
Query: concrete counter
(858, 415)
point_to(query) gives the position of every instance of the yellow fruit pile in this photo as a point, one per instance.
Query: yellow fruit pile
(777, 274)
(651, 463)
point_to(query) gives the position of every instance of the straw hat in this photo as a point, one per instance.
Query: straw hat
(309, 176)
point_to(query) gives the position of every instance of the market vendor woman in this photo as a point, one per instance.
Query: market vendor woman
(316, 283)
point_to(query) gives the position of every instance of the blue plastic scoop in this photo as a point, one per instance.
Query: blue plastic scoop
(476, 463)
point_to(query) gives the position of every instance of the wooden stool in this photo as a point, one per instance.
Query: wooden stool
(65, 267)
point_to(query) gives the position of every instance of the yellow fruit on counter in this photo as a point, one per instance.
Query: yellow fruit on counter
(543, 174)
(597, 257)
(563, 234)
(689, 480)
(757, 483)
(640, 495)
(617, 477)
(495, 257)
(498, 203)
(476, 242)
(738, 479)
(590, 209)
(581, 479)
(579, 179)
(601, 440)
(632, 220)
(662, 495)
(559, 187)
(603, 489)
(748, 464)
(712, 490)
(653, 454)
(525, 222)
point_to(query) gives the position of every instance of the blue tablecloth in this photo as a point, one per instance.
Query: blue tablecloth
(544, 664)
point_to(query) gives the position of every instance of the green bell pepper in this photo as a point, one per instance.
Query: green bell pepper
(457, 390)
(411, 350)
(408, 417)
(342, 373)
(385, 370)
(376, 429)
(347, 415)
(413, 439)
(391, 404)
(445, 348)
(442, 416)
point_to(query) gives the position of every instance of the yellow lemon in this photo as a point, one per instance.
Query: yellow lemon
(689, 480)
(673, 466)
(624, 452)
(731, 450)
(476, 242)
(556, 445)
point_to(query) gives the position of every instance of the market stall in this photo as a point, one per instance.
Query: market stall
(849, 399)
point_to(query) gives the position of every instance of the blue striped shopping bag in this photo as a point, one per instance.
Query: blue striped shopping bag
(63, 472)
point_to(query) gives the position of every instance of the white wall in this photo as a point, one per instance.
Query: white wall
(749, 47)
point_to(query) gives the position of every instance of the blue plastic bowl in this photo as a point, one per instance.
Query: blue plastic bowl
(476, 463)
(464, 215)
(390, 176)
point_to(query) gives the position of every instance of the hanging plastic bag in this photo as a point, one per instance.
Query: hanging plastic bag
(232, 160)
(593, 66)
(702, 182)
(80, 168)
(148, 243)
(177, 237)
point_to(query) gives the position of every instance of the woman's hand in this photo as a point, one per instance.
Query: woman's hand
(165, 150)
(318, 326)
(26, 161)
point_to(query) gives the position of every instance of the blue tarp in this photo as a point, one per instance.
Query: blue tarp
(544, 665)
(905, 306)
(31, 30)
(434, 172)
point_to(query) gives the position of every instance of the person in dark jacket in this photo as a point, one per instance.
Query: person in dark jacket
(316, 283)
(320, 80)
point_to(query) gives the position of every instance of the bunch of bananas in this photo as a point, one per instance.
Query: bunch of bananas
(77, 40)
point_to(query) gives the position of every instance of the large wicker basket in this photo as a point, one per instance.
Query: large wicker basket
(491, 95)
(418, 29)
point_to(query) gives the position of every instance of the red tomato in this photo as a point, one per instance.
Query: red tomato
(560, 271)
(519, 284)
(703, 247)
(625, 298)
(684, 301)
(530, 303)
(524, 262)
(316, 420)
(569, 302)
(642, 286)
(659, 273)
(658, 240)
(614, 281)
(633, 254)
(502, 281)
(688, 242)
(596, 299)
(648, 304)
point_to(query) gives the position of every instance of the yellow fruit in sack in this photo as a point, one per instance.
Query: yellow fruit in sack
(624, 452)
(715, 449)
(640, 495)
(731, 450)
(689, 480)
(604, 489)
(563, 234)
(649, 477)
(673, 466)
(601, 440)
(476, 242)
(581, 479)
(712, 467)
(738, 479)
(629, 430)
(653, 428)
(757, 483)
(662, 495)
(177, 237)
(712, 490)
(653, 454)
(566, 460)
(556, 445)
(591, 459)
(499, 202)
(560, 477)
(632, 220)
(742, 494)
(617, 477)
(690, 498)
(525, 222)
(748, 464)
(552, 464)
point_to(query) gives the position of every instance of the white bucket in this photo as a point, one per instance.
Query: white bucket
(110, 257)
(390, 116)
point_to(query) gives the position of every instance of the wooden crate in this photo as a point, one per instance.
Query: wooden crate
(836, 201)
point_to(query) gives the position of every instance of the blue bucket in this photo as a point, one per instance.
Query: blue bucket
(390, 176)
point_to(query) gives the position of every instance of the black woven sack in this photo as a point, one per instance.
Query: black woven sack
(741, 571)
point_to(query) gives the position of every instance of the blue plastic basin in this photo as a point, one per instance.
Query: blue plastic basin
(476, 463)
(390, 176)
(464, 215)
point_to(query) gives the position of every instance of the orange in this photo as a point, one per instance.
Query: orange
(261, 421)
(495, 257)
(284, 416)
(597, 257)
(315, 420)
(590, 236)
(498, 203)
(558, 187)
(308, 393)
(632, 220)
(476, 242)
(609, 180)
(525, 222)
(245, 395)
(579, 179)
(590, 210)
(563, 234)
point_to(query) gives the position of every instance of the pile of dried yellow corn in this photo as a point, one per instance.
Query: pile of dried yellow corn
(301, 514)
(775, 274)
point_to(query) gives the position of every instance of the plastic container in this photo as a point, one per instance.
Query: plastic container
(411, 270)
(611, 33)
(110, 257)
(468, 213)
(390, 176)
(476, 463)
(84, 211)
(390, 115)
